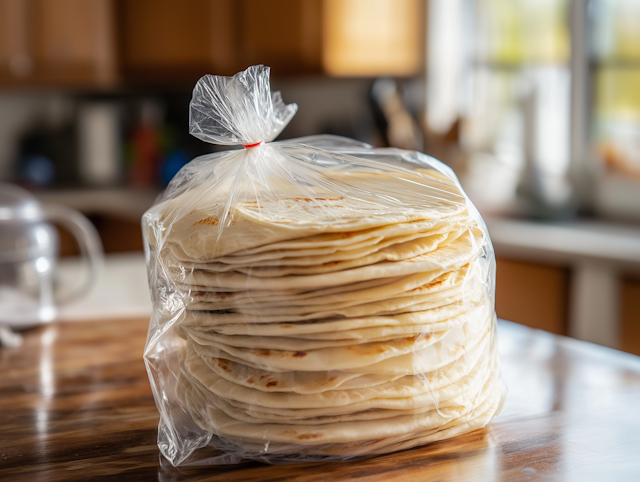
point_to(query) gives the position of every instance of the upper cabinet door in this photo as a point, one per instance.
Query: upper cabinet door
(74, 41)
(169, 41)
(369, 38)
(283, 34)
(57, 42)
(344, 38)
(16, 57)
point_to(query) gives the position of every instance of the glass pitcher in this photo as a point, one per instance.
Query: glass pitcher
(28, 256)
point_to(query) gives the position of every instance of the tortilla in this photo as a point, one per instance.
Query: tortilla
(353, 431)
(391, 250)
(455, 255)
(274, 210)
(470, 421)
(402, 356)
(360, 292)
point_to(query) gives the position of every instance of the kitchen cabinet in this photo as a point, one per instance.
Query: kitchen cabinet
(284, 34)
(115, 213)
(167, 41)
(164, 42)
(630, 315)
(538, 295)
(373, 38)
(117, 233)
(344, 38)
(579, 278)
(57, 42)
(533, 294)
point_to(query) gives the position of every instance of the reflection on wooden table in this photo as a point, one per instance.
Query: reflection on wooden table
(75, 404)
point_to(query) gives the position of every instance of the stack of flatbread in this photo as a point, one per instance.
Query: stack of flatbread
(332, 324)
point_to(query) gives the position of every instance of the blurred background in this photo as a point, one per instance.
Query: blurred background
(534, 103)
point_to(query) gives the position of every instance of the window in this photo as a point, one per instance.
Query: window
(521, 78)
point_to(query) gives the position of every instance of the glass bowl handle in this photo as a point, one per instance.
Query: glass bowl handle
(88, 241)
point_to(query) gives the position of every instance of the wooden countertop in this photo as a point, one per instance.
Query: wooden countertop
(75, 404)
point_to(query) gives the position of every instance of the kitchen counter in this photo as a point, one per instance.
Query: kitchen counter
(75, 404)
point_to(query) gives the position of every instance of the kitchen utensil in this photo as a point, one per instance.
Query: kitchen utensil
(28, 255)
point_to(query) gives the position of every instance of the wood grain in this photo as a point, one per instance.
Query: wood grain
(75, 404)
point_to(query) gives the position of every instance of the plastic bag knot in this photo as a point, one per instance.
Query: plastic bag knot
(239, 109)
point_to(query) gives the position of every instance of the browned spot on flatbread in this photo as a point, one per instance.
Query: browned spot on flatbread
(300, 354)
(365, 350)
(272, 383)
(211, 221)
(427, 287)
(250, 380)
(224, 364)
(331, 263)
(308, 199)
(309, 436)
(261, 352)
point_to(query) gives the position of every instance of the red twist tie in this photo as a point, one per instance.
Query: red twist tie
(250, 146)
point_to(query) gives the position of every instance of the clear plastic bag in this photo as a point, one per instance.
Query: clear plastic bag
(313, 299)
